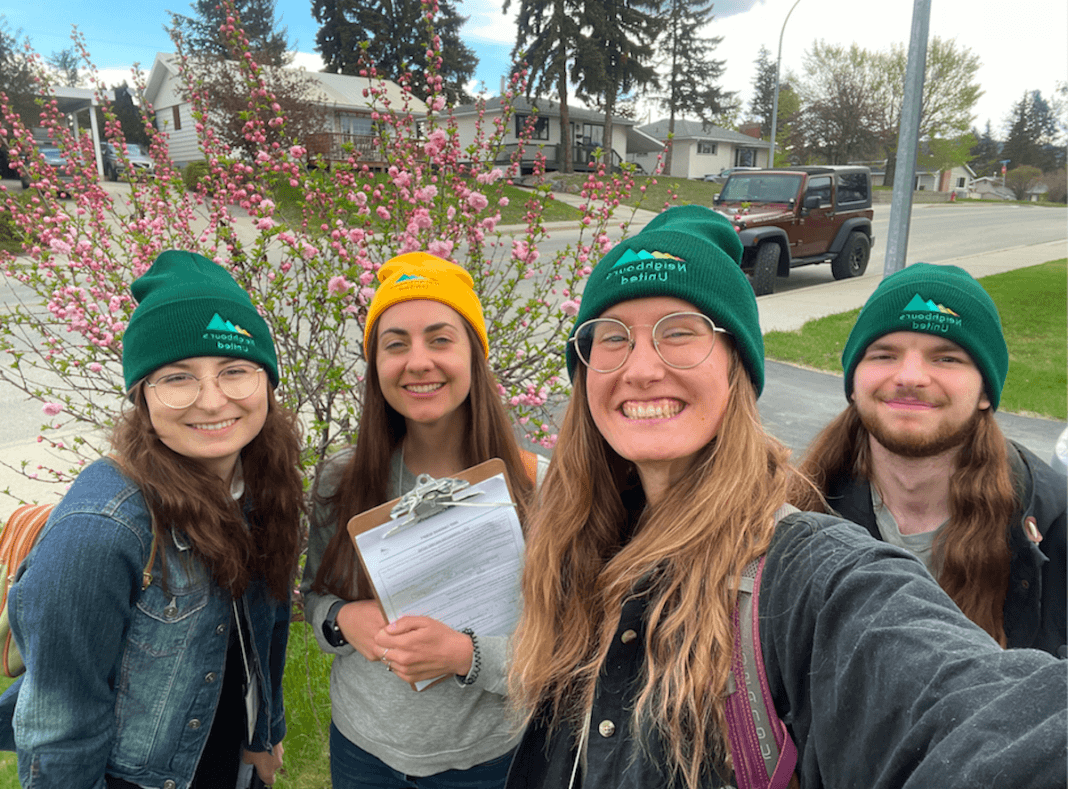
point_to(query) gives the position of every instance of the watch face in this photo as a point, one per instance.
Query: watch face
(332, 633)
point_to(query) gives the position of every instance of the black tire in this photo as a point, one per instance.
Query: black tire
(765, 267)
(853, 259)
(110, 173)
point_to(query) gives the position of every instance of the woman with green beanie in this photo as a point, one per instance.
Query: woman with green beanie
(153, 613)
(662, 492)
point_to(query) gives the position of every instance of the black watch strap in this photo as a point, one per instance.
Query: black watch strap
(331, 631)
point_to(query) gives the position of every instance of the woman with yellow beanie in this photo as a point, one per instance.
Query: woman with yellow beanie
(430, 406)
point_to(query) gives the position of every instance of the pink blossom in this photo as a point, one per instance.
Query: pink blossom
(443, 249)
(60, 246)
(570, 308)
(383, 212)
(477, 201)
(95, 367)
(51, 409)
(338, 285)
(264, 223)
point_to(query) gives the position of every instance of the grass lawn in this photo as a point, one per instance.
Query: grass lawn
(1031, 302)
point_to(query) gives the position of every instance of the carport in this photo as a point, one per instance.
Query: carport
(71, 101)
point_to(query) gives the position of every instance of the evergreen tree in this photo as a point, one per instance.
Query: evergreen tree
(270, 46)
(692, 73)
(985, 155)
(615, 53)
(130, 118)
(1032, 134)
(212, 68)
(547, 35)
(393, 36)
(763, 102)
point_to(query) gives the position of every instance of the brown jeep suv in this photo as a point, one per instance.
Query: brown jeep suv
(794, 216)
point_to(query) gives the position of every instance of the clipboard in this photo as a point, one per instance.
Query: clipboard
(374, 518)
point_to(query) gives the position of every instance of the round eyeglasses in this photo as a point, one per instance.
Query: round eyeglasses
(682, 339)
(181, 390)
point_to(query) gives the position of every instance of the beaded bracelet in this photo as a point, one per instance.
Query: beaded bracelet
(476, 658)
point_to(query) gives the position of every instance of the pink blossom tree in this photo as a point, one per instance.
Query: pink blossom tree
(304, 240)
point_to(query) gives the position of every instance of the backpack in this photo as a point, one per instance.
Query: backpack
(16, 541)
(764, 755)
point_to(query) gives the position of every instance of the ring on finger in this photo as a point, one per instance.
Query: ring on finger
(389, 666)
(383, 658)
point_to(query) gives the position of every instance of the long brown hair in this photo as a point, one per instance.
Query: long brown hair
(690, 549)
(365, 481)
(182, 494)
(973, 546)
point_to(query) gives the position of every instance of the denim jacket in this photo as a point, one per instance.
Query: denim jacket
(119, 680)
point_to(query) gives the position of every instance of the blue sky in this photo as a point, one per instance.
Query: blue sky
(1019, 50)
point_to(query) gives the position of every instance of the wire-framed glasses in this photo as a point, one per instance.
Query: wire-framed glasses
(180, 390)
(682, 339)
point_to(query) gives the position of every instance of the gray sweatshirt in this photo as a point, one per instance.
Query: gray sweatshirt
(449, 726)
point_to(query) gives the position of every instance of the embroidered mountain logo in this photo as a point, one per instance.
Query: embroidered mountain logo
(639, 265)
(227, 336)
(408, 278)
(924, 315)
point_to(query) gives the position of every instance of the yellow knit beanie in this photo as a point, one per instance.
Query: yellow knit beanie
(420, 275)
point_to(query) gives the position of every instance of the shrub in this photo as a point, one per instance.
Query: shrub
(193, 174)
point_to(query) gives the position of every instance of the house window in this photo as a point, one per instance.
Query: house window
(745, 157)
(353, 125)
(960, 183)
(177, 117)
(706, 147)
(539, 126)
(589, 135)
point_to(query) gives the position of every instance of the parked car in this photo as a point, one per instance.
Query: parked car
(55, 159)
(722, 176)
(140, 163)
(798, 216)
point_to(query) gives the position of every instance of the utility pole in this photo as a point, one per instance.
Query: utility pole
(908, 137)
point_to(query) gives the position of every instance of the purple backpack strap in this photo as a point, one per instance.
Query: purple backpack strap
(764, 755)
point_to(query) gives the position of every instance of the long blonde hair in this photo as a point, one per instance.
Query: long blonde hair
(689, 550)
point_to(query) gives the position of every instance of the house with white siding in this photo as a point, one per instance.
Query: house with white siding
(343, 96)
(698, 149)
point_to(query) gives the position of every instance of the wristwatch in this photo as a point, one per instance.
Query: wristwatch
(331, 631)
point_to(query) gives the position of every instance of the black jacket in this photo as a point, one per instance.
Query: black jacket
(879, 678)
(1035, 611)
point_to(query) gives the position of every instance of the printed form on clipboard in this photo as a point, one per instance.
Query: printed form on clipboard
(452, 552)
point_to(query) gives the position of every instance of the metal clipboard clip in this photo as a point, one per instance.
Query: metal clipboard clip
(432, 496)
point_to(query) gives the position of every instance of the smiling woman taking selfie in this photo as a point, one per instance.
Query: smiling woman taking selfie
(430, 406)
(663, 488)
(153, 613)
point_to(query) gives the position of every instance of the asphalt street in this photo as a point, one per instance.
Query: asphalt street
(796, 402)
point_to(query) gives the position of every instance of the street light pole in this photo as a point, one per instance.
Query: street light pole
(775, 95)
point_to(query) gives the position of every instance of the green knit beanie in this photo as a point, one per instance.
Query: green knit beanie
(689, 252)
(189, 306)
(945, 301)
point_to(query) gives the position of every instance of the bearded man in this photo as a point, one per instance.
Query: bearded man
(918, 459)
